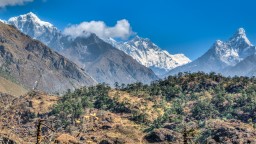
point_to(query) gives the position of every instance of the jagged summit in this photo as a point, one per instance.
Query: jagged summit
(241, 31)
(143, 43)
(218, 42)
(30, 17)
(138, 38)
(30, 23)
(36, 28)
(233, 50)
(240, 39)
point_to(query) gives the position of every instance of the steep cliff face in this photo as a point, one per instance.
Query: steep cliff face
(34, 65)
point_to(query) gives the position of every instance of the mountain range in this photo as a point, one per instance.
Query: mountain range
(99, 59)
(141, 49)
(138, 59)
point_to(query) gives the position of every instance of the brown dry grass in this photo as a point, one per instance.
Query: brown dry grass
(11, 117)
(11, 88)
(120, 128)
(66, 139)
(42, 103)
(139, 103)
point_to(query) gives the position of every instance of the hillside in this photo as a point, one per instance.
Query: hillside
(34, 65)
(11, 88)
(198, 108)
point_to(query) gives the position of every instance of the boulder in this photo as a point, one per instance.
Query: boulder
(163, 135)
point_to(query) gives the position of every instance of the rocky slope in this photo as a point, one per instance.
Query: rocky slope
(150, 55)
(34, 65)
(104, 62)
(244, 68)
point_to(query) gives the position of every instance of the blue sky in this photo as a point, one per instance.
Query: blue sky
(179, 26)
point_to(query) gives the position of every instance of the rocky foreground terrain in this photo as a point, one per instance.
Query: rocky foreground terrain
(187, 108)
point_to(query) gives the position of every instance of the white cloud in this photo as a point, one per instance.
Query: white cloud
(122, 29)
(4, 3)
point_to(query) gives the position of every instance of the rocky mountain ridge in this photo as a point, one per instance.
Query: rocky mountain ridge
(35, 66)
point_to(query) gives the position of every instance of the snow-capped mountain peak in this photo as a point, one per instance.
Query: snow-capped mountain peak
(223, 55)
(218, 43)
(36, 28)
(142, 43)
(150, 55)
(30, 17)
(241, 31)
(3, 21)
(240, 39)
(235, 49)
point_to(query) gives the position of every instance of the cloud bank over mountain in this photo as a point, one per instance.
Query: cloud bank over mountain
(4, 3)
(122, 29)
